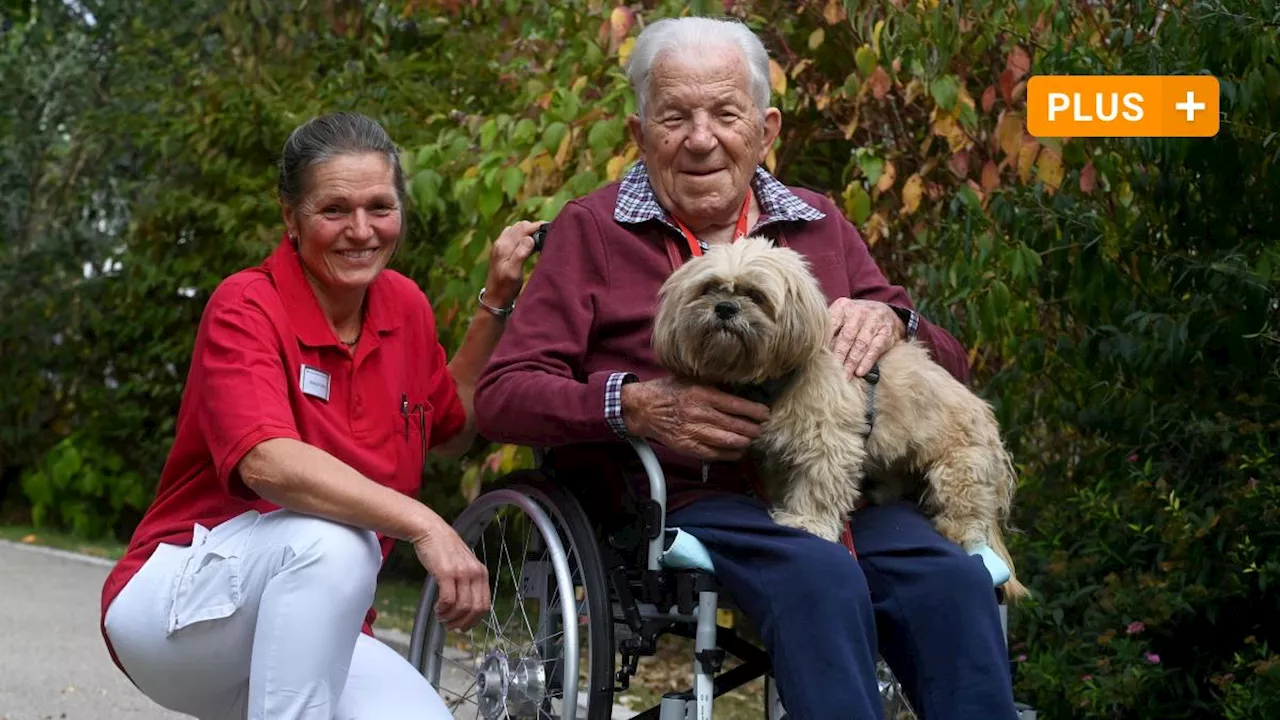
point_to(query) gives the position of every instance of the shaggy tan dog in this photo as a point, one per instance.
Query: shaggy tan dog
(750, 318)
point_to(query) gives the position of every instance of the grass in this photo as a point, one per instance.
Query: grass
(396, 601)
(48, 538)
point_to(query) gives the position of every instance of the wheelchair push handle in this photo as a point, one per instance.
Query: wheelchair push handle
(540, 237)
(657, 493)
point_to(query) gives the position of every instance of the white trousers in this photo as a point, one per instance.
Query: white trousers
(260, 618)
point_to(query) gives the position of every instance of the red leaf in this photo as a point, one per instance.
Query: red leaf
(1019, 63)
(990, 177)
(1088, 179)
(1006, 86)
(988, 98)
(959, 163)
(880, 83)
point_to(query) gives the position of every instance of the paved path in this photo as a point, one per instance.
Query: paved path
(53, 663)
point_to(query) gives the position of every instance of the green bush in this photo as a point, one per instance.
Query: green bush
(1119, 297)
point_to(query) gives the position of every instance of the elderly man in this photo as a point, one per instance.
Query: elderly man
(574, 372)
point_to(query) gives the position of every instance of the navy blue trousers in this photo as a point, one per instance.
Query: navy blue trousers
(925, 604)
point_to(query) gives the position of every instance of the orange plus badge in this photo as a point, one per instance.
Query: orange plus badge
(1122, 106)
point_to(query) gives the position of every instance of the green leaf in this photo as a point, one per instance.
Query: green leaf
(866, 60)
(552, 136)
(512, 181)
(970, 198)
(857, 203)
(872, 168)
(605, 135)
(944, 91)
(524, 132)
(490, 201)
(488, 132)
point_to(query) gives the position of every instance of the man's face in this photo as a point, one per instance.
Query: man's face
(702, 136)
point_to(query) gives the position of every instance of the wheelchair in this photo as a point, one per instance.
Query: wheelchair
(575, 607)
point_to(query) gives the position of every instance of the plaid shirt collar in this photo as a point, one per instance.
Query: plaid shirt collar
(637, 202)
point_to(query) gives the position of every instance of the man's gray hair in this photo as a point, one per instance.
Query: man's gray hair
(697, 34)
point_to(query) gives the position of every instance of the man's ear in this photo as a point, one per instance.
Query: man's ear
(636, 126)
(772, 128)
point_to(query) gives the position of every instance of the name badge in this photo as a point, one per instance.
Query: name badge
(315, 382)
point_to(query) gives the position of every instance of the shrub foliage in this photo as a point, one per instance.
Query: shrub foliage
(1119, 296)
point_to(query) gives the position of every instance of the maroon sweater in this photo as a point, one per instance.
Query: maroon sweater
(587, 312)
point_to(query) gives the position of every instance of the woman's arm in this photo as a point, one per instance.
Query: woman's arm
(506, 276)
(308, 480)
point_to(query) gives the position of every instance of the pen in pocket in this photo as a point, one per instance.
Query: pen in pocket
(404, 412)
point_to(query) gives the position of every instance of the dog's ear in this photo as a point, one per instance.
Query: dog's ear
(802, 318)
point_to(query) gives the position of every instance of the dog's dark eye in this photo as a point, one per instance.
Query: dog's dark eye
(756, 296)
(710, 288)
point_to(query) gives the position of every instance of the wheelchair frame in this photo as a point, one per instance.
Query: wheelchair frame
(644, 603)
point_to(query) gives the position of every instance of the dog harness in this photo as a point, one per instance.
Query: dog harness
(872, 377)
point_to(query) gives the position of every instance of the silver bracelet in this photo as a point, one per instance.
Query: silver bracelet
(497, 312)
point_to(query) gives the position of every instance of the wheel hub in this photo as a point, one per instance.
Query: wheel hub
(510, 689)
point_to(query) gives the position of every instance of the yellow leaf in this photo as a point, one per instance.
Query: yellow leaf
(509, 457)
(1049, 169)
(777, 77)
(624, 52)
(834, 12)
(620, 22)
(815, 39)
(876, 228)
(875, 35)
(578, 84)
(28, 539)
(1009, 132)
(724, 618)
(947, 127)
(1027, 158)
(562, 152)
(800, 66)
(613, 170)
(887, 177)
(912, 191)
(913, 90)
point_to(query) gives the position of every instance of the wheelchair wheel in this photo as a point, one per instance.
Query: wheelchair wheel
(545, 651)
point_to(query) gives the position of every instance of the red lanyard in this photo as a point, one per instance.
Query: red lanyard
(739, 232)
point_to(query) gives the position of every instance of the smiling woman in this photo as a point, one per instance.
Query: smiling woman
(317, 386)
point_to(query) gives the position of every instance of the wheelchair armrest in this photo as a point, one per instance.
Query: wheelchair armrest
(657, 493)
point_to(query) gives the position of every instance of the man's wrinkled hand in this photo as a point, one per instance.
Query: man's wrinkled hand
(693, 420)
(861, 331)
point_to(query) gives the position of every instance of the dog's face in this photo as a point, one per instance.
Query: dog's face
(741, 313)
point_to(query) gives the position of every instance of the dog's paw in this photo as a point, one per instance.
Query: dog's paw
(824, 529)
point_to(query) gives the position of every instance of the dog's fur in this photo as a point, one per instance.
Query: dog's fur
(814, 452)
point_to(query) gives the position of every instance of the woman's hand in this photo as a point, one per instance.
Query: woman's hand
(463, 582)
(506, 263)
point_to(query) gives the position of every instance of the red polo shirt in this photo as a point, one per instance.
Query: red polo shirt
(266, 365)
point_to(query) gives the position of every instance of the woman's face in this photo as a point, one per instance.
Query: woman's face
(348, 223)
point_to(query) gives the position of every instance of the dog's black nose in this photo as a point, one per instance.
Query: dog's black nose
(726, 309)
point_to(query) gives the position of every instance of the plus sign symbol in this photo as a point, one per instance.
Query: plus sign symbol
(1190, 106)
